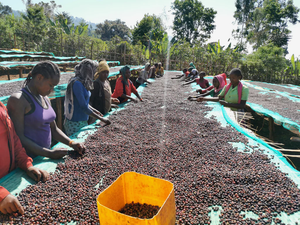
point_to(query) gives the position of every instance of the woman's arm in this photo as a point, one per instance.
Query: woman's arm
(94, 93)
(178, 76)
(194, 80)
(133, 89)
(78, 90)
(98, 115)
(214, 99)
(234, 105)
(16, 106)
(60, 136)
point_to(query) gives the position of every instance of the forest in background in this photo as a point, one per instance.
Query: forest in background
(261, 23)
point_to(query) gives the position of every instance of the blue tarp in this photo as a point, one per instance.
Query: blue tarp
(25, 52)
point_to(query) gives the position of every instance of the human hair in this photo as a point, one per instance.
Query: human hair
(202, 73)
(184, 70)
(102, 59)
(237, 72)
(156, 64)
(47, 69)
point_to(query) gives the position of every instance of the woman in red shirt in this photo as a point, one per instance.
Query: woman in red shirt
(124, 87)
(13, 155)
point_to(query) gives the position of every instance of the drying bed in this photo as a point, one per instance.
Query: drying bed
(219, 174)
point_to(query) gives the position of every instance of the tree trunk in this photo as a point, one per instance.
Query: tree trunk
(61, 44)
(92, 50)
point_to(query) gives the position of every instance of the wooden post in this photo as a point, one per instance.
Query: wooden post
(92, 50)
(59, 112)
(21, 72)
(10, 40)
(61, 44)
(15, 40)
(66, 44)
(124, 54)
(271, 128)
(8, 74)
(84, 49)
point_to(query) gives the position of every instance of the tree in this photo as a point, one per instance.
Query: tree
(192, 21)
(265, 64)
(149, 28)
(64, 16)
(49, 8)
(110, 28)
(5, 10)
(35, 24)
(263, 22)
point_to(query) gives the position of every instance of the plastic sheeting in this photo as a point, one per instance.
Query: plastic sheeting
(285, 122)
(48, 57)
(222, 115)
(17, 180)
(11, 64)
(25, 52)
(264, 90)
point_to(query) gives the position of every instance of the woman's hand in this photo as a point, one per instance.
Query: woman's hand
(115, 101)
(106, 121)
(222, 102)
(200, 99)
(98, 113)
(37, 174)
(134, 100)
(114, 106)
(78, 147)
(11, 204)
(57, 153)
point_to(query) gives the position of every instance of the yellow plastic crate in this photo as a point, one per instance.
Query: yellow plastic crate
(131, 186)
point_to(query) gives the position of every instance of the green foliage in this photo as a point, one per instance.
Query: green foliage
(263, 22)
(64, 16)
(149, 28)
(193, 22)
(49, 8)
(35, 24)
(265, 64)
(5, 10)
(109, 29)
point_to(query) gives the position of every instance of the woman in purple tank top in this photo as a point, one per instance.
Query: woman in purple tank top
(33, 116)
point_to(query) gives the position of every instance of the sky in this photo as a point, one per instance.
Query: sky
(132, 11)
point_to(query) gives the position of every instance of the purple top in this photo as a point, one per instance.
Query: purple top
(37, 122)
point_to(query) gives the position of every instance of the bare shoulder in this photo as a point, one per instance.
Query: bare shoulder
(17, 101)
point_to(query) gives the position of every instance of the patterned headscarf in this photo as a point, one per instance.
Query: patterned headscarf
(84, 72)
(123, 72)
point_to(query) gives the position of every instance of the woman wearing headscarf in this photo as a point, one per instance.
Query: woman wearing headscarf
(77, 108)
(101, 94)
(192, 66)
(144, 75)
(218, 85)
(159, 70)
(124, 87)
